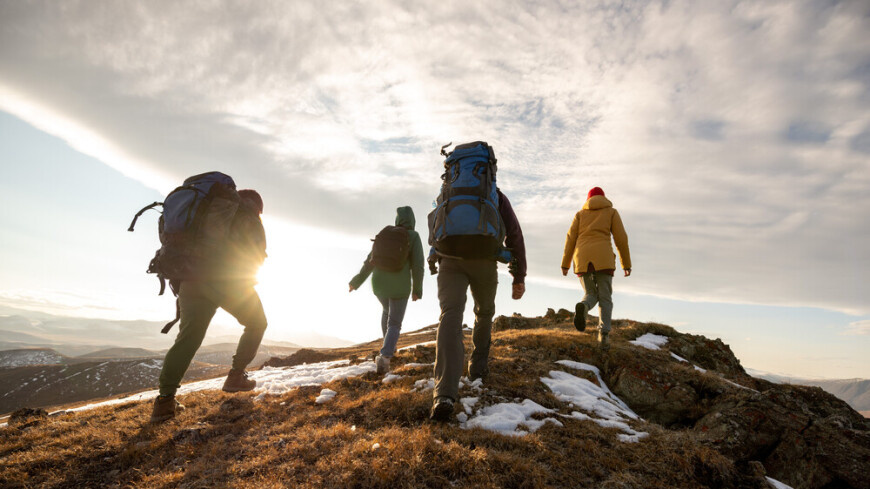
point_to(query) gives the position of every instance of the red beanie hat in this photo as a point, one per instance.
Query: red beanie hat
(595, 191)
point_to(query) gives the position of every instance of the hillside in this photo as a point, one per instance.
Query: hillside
(30, 356)
(40, 378)
(660, 409)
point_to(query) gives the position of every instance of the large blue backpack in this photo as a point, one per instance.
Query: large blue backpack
(193, 229)
(465, 222)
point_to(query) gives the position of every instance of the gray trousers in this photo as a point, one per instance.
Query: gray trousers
(599, 289)
(454, 278)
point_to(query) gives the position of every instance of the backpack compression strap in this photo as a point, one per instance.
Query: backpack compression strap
(170, 324)
(142, 211)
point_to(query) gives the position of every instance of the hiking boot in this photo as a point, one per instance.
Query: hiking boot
(383, 364)
(165, 407)
(442, 409)
(604, 340)
(238, 381)
(580, 316)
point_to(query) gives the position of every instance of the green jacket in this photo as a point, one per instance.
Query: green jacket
(397, 285)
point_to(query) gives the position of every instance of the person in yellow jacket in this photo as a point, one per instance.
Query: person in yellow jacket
(588, 246)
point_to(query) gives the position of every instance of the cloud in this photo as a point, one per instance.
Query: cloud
(730, 135)
(859, 328)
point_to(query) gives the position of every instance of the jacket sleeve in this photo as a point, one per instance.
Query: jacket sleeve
(513, 237)
(571, 241)
(417, 261)
(364, 273)
(621, 240)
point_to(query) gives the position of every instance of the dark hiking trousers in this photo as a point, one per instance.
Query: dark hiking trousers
(454, 278)
(199, 301)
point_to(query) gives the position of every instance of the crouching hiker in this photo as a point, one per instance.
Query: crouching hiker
(396, 265)
(588, 246)
(216, 251)
(472, 227)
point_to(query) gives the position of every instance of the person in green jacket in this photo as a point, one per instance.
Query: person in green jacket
(393, 288)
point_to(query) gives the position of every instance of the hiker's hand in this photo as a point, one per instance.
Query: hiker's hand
(415, 297)
(519, 290)
(352, 288)
(564, 272)
(627, 272)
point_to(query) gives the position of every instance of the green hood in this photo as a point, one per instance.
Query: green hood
(405, 217)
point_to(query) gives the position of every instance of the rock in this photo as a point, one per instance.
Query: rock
(27, 415)
(304, 355)
(503, 323)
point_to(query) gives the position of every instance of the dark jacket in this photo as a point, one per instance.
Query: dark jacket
(397, 285)
(513, 237)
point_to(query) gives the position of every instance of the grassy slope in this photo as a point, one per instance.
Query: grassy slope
(224, 440)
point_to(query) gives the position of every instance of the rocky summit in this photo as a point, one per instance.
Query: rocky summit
(660, 408)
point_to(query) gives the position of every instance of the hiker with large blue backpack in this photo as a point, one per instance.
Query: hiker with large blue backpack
(472, 227)
(212, 245)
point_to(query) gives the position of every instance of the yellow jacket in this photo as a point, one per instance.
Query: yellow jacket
(588, 240)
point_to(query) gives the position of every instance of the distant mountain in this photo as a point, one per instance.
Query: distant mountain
(118, 353)
(50, 385)
(856, 392)
(30, 356)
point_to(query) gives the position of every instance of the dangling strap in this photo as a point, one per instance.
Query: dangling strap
(142, 211)
(170, 324)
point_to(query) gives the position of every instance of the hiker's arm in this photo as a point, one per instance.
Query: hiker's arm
(363, 274)
(570, 244)
(513, 238)
(621, 240)
(417, 266)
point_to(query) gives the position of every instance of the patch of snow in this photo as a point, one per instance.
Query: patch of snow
(735, 384)
(699, 369)
(326, 395)
(462, 418)
(424, 385)
(775, 484)
(468, 403)
(610, 410)
(391, 377)
(507, 418)
(412, 333)
(376, 446)
(650, 341)
(414, 365)
(270, 380)
(679, 358)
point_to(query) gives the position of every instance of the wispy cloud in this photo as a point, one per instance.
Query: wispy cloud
(732, 136)
(860, 328)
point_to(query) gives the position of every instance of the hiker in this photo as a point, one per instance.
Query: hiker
(588, 246)
(228, 284)
(396, 265)
(468, 258)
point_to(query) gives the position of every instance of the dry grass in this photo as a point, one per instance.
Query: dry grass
(225, 440)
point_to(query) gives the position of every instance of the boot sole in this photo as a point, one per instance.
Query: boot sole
(580, 317)
(241, 389)
(160, 419)
(441, 412)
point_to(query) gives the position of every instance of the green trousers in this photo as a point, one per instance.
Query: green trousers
(198, 301)
(454, 279)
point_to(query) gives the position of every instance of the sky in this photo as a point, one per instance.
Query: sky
(733, 138)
